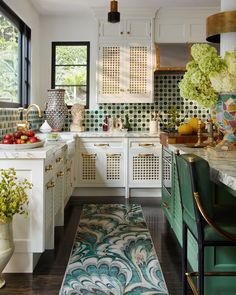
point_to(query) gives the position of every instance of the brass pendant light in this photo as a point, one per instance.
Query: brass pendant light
(223, 22)
(114, 15)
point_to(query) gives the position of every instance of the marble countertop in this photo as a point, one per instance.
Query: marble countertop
(222, 164)
(117, 134)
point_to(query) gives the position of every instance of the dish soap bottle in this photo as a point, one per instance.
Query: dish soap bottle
(127, 123)
(105, 124)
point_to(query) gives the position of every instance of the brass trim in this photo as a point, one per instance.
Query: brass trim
(48, 168)
(114, 155)
(220, 231)
(89, 155)
(61, 173)
(146, 144)
(191, 283)
(101, 144)
(145, 155)
(50, 184)
(165, 205)
(223, 22)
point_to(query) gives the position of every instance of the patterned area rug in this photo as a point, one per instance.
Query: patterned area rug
(113, 254)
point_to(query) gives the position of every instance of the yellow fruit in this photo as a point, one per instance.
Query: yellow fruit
(185, 129)
(193, 122)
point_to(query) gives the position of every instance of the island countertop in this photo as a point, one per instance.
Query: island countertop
(222, 164)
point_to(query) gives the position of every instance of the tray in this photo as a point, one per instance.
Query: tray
(21, 146)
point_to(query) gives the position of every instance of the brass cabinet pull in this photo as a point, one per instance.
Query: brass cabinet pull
(48, 168)
(114, 155)
(59, 160)
(145, 155)
(101, 144)
(165, 205)
(50, 184)
(60, 174)
(89, 155)
(121, 33)
(128, 33)
(146, 144)
(68, 169)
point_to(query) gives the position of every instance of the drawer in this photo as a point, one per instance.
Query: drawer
(147, 144)
(48, 169)
(100, 143)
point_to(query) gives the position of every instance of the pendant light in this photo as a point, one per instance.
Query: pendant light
(114, 15)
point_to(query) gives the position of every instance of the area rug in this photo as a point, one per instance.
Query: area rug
(113, 254)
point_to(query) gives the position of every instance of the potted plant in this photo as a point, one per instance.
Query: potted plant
(211, 81)
(13, 200)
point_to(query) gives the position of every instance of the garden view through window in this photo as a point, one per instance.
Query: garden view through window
(70, 70)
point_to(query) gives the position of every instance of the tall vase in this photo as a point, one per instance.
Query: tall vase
(56, 110)
(226, 119)
(6, 247)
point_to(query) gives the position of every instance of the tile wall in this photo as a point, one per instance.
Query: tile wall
(166, 96)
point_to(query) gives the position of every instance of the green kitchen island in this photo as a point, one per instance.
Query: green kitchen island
(223, 176)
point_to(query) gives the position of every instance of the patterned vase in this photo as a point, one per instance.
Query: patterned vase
(6, 247)
(226, 119)
(56, 110)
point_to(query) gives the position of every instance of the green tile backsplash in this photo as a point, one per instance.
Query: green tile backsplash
(166, 93)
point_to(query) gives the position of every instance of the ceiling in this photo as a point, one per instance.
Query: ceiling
(84, 7)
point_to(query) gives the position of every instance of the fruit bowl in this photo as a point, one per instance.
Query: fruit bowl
(21, 146)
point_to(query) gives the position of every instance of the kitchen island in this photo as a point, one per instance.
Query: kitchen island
(223, 176)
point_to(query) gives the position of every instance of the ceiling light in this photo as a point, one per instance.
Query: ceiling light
(114, 15)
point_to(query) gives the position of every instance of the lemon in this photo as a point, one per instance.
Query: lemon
(193, 122)
(185, 129)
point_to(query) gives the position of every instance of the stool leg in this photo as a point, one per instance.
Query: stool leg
(184, 258)
(201, 268)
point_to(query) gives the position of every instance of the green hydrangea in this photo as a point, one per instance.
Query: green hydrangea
(13, 195)
(208, 74)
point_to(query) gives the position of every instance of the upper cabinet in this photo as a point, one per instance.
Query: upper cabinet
(129, 29)
(182, 25)
(126, 58)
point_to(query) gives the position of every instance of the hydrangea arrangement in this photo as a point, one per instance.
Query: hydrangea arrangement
(13, 195)
(208, 74)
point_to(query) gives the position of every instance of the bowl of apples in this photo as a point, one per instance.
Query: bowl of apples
(20, 140)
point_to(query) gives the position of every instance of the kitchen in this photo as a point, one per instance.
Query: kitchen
(169, 25)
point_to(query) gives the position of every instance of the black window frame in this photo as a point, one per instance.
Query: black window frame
(53, 68)
(24, 58)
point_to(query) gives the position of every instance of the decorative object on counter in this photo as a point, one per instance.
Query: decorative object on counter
(21, 125)
(53, 136)
(13, 200)
(154, 122)
(127, 123)
(78, 114)
(105, 124)
(56, 109)
(211, 80)
(45, 128)
(117, 124)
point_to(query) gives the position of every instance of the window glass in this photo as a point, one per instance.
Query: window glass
(70, 70)
(9, 61)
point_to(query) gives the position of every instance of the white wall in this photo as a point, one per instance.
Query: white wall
(74, 28)
(29, 15)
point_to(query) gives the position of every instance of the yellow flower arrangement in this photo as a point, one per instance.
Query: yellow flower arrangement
(13, 195)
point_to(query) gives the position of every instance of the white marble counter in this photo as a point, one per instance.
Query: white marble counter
(223, 166)
(117, 134)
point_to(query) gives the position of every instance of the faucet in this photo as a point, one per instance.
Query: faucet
(27, 114)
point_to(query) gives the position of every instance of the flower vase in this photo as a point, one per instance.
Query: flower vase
(56, 110)
(6, 247)
(226, 120)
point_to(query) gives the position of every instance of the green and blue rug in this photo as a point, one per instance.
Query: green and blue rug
(113, 254)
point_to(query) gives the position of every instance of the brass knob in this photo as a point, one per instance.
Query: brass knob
(59, 160)
(68, 169)
(59, 174)
(48, 168)
(51, 184)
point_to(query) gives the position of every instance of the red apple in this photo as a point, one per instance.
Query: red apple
(30, 133)
(8, 136)
(33, 139)
(18, 141)
(17, 134)
(7, 141)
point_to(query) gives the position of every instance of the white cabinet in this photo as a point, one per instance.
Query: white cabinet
(125, 73)
(100, 162)
(129, 30)
(70, 172)
(144, 163)
(181, 25)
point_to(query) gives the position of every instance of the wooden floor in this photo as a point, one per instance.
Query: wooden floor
(48, 275)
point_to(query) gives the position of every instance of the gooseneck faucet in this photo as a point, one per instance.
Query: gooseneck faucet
(27, 114)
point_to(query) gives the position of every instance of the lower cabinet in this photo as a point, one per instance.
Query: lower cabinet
(100, 162)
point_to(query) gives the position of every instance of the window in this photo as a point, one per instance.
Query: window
(70, 70)
(14, 59)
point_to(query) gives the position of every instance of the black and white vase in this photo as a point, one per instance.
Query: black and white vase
(56, 110)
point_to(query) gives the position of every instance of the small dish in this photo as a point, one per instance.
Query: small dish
(53, 136)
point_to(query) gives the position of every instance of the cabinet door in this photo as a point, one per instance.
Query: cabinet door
(111, 32)
(134, 62)
(138, 29)
(145, 164)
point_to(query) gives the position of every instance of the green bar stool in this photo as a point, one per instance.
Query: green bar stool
(209, 224)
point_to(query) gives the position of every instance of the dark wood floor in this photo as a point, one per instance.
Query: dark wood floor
(48, 275)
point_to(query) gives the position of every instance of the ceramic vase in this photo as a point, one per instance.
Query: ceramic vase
(56, 110)
(6, 247)
(226, 118)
